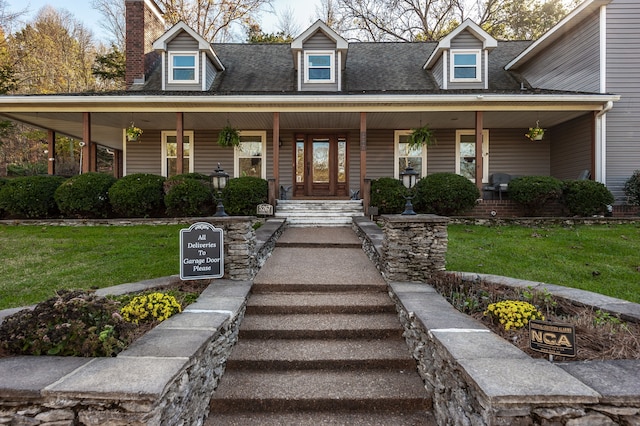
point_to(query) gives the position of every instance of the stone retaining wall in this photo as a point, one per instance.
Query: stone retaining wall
(413, 247)
(164, 378)
(474, 377)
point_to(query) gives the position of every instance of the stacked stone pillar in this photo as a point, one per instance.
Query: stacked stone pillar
(414, 247)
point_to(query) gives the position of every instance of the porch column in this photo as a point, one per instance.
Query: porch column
(117, 163)
(363, 158)
(86, 139)
(93, 157)
(276, 149)
(479, 162)
(51, 152)
(179, 143)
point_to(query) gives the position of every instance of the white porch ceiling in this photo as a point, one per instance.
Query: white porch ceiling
(106, 127)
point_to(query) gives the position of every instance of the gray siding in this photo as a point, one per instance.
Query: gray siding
(211, 74)
(466, 40)
(510, 152)
(571, 147)
(319, 41)
(623, 61)
(572, 63)
(145, 156)
(183, 43)
(437, 72)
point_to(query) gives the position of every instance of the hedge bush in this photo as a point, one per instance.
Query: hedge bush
(85, 195)
(3, 182)
(445, 194)
(632, 188)
(174, 180)
(586, 197)
(31, 197)
(242, 195)
(387, 194)
(138, 195)
(534, 192)
(188, 197)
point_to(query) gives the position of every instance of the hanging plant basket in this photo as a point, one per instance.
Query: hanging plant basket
(229, 136)
(133, 133)
(422, 136)
(535, 133)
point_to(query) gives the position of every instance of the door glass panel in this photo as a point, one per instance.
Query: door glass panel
(342, 160)
(468, 156)
(320, 168)
(299, 161)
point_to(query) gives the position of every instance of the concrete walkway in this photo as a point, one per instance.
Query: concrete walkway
(321, 342)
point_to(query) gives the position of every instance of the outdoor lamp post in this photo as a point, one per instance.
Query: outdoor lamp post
(219, 180)
(409, 178)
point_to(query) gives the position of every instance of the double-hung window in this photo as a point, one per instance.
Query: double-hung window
(319, 67)
(466, 154)
(415, 157)
(183, 67)
(250, 157)
(465, 65)
(170, 153)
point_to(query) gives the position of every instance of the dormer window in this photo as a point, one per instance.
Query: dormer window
(183, 67)
(465, 65)
(319, 67)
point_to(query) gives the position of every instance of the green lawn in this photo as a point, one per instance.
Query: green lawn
(38, 260)
(603, 259)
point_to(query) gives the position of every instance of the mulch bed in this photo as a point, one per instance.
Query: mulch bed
(599, 335)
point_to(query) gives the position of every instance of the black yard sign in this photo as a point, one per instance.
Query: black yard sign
(552, 338)
(201, 252)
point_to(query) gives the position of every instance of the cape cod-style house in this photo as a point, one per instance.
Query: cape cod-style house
(319, 117)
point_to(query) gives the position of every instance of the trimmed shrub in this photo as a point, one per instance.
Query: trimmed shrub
(188, 197)
(3, 182)
(85, 195)
(387, 194)
(138, 195)
(31, 197)
(632, 188)
(586, 197)
(174, 180)
(242, 195)
(534, 192)
(445, 194)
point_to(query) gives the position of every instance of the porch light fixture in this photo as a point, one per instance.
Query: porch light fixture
(219, 180)
(409, 178)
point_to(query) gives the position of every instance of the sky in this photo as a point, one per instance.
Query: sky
(304, 10)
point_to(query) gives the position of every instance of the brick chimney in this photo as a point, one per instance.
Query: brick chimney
(144, 24)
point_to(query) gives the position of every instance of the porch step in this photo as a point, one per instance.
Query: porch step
(319, 212)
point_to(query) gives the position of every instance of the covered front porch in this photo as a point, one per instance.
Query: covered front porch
(328, 146)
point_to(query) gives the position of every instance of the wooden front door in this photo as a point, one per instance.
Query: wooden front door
(321, 166)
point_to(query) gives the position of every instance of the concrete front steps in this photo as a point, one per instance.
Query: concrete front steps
(319, 212)
(331, 353)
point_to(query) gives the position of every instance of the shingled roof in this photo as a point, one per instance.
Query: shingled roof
(370, 68)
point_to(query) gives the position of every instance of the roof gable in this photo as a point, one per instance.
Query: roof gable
(488, 42)
(298, 42)
(341, 45)
(162, 43)
(569, 22)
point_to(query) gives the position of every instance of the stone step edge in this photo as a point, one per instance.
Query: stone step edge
(288, 405)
